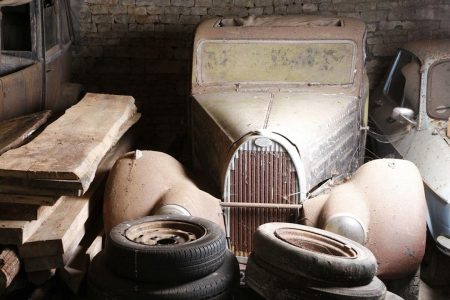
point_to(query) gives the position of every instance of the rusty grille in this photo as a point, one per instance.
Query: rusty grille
(257, 176)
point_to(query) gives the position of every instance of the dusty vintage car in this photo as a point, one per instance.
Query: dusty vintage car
(410, 111)
(278, 111)
(35, 58)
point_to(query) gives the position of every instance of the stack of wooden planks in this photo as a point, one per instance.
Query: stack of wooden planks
(51, 188)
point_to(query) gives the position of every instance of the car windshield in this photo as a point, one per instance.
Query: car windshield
(403, 82)
(438, 104)
(288, 62)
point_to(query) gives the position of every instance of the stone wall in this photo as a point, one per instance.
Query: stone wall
(143, 47)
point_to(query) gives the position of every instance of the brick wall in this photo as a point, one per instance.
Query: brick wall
(143, 47)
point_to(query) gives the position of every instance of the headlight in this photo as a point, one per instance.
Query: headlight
(347, 225)
(172, 209)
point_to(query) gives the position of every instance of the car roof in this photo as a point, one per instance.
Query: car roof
(282, 26)
(429, 50)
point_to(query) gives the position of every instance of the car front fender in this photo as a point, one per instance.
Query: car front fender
(386, 197)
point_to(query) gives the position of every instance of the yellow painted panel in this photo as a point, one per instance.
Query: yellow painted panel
(276, 61)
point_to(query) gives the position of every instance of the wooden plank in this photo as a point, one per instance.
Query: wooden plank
(94, 226)
(64, 225)
(67, 222)
(75, 271)
(39, 187)
(28, 199)
(33, 264)
(72, 147)
(48, 187)
(20, 211)
(40, 277)
(16, 131)
(17, 232)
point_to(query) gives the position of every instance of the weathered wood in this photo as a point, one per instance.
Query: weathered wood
(40, 277)
(15, 132)
(66, 225)
(20, 211)
(93, 228)
(17, 232)
(72, 147)
(9, 268)
(33, 186)
(28, 199)
(75, 269)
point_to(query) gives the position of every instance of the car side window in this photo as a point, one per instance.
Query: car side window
(438, 105)
(16, 28)
(403, 83)
(50, 24)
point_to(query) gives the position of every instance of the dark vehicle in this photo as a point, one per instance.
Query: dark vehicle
(36, 37)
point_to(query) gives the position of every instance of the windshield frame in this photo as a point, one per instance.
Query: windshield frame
(198, 68)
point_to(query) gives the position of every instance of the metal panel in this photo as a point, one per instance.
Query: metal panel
(259, 175)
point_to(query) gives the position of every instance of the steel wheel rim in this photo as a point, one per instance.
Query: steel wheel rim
(314, 242)
(165, 233)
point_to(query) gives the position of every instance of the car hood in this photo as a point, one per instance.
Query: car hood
(322, 127)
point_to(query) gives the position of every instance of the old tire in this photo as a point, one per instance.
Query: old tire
(165, 249)
(219, 285)
(407, 288)
(314, 254)
(262, 280)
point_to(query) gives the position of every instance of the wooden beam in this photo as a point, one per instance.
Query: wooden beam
(17, 232)
(16, 131)
(28, 199)
(72, 147)
(20, 211)
(66, 225)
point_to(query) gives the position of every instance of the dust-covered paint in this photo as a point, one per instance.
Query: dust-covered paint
(281, 62)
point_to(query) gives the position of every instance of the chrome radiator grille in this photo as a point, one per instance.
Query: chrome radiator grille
(258, 175)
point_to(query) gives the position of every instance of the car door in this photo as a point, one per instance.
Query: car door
(57, 42)
(21, 69)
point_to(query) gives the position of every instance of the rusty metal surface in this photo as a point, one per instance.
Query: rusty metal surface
(259, 177)
(315, 242)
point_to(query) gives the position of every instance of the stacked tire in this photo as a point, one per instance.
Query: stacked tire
(291, 261)
(164, 257)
